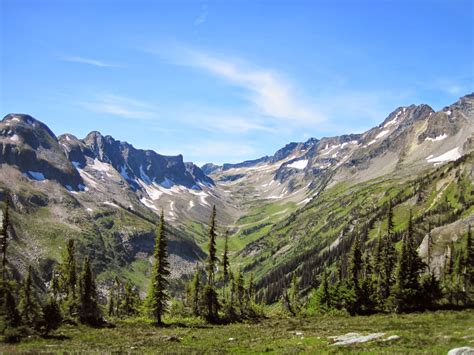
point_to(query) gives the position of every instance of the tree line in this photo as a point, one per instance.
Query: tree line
(372, 279)
(72, 295)
(383, 279)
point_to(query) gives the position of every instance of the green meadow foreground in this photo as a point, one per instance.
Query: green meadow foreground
(430, 332)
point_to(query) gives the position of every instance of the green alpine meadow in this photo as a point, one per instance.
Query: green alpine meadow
(204, 177)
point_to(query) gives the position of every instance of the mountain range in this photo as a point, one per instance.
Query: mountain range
(283, 212)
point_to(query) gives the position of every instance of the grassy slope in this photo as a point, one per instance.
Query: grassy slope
(433, 333)
(341, 208)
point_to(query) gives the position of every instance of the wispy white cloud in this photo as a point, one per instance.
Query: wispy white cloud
(269, 93)
(88, 61)
(223, 122)
(120, 106)
(202, 18)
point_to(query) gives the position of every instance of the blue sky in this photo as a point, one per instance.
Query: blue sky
(225, 81)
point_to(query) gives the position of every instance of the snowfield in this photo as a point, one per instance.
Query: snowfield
(438, 138)
(299, 164)
(451, 155)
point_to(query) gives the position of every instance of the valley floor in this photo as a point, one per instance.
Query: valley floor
(431, 332)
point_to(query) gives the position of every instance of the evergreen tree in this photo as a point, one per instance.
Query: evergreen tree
(131, 301)
(54, 285)
(457, 278)
(367, 288)
(355, 273)
(194, 293)
(293, 295)
(89, 311)
(387, 259)
(390, 224)
(230, 306)
(30, 311)
(430, 248)
(210, 294)
(5, 235)
(377, 259)
(467, 270)
(251, 289)
(410, 266)
(225, 263)
(158, 296)
(52, 317)
(448, 274)
(323, 294)
(70, 276)
(9, 317)
(240, 292)
(111, 306)
(68, 282)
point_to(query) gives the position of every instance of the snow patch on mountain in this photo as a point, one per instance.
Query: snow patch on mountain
(123, 172)
(100, 166)
(451, 155)
(299, 164)
(382, 134)
(149, 204)
(438, 138)
(15, 138)
(108, 203)
(144, 176)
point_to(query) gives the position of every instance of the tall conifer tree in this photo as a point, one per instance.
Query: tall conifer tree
(158, 296)
(225, 263)
(30, 311)
(210, 295)
(89, 311)
(9, 317)
(410, 266)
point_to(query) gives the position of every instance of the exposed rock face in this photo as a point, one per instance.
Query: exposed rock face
(133, 163)
(33, 148)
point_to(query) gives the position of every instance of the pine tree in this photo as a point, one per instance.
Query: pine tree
(323, 294)
(230, 305)
(9, 317)
(448, 273)
(355, 273)
(240, 292)
(54, 285)
(390, 224)
(5, 235)
(225, 263)
(368, 299)
(29, 308)
(68, 281)
(89, 311)
(158, 296)
(52, 317)
(251, 289)
(388, 259)
(430, 248)
(70, 276)
(293, 295)
(131, 301)
(468, 267)
(410, 266)
(111, 307)
(210, 295)
(377, 259)
(194, 293)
